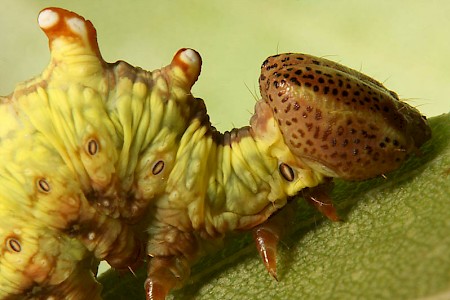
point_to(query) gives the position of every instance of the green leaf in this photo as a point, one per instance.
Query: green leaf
(393, 244)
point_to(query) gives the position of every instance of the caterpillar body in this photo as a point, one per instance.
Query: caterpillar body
(104, 161)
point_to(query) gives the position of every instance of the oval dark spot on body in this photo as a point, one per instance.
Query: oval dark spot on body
(43, 185)
(13, 244)
(287, 172)
(158, 167)
(92, 147)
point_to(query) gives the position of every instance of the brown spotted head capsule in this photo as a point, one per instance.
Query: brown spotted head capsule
(339, 121)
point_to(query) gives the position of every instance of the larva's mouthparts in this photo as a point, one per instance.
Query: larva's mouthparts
(340, 122)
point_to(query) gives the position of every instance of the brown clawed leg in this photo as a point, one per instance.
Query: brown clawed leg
(319, 197)
(267, 235)
(165, 274)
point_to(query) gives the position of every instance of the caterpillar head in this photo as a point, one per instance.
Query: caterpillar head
(338, 121)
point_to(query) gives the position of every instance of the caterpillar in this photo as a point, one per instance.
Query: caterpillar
(109, 162)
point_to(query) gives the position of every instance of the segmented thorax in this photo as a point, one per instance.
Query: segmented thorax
(337, 120)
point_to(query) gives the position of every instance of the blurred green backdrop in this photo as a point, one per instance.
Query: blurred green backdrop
(404, 44)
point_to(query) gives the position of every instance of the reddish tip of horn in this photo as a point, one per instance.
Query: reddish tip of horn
(57, 22)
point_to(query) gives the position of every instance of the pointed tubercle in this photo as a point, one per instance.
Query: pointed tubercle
(189, 62)
(63, 26)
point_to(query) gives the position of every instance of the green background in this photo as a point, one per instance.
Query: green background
(404, 44)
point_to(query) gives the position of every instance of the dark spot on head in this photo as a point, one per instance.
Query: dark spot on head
(301, 132)
(295, 80)
(318, 115)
